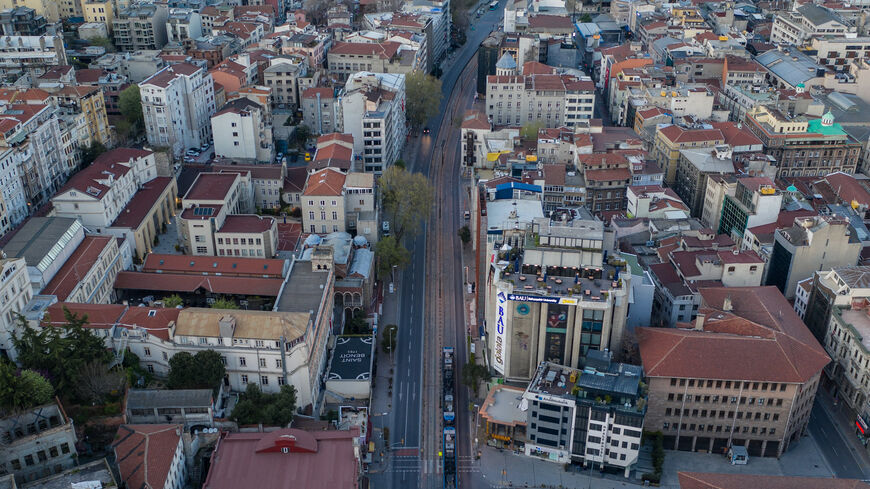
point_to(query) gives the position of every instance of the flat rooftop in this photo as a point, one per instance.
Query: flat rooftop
(39, 236)
(588, 282)
(502, 406)
(161, 398)
(96, 471)
(304, 290)
(860, 321)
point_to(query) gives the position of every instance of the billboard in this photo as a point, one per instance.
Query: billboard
(500, 337)
(569, 301)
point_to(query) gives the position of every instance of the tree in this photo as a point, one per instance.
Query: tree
(530, 131)
(255, 406)
(422, 96)
(585, 18)
(22, 389)
(473, 374)
(400, 163)
(91, 153)
(205, 370)
(104, 43)
(60, 352)
(465, 234)
(390, 253)
(407, 198)
(223, 303)
(303, 132)
(358, 323)
(130, 105)
(173, 300)
(98, 381)
(388, 340)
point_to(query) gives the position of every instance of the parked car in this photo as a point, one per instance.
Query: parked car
(204, 147)
(467, 215)
(192, 152)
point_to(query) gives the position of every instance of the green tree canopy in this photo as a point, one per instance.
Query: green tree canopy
(390, 252)
(205, 370)
(91, 153)
(130, 105)
(223, 303)
(408, 199)
(422, 96)
(465, 234)
(61, 352)
(530, 130)
(173, 300)
(256, 406)
(473, 373)
(22, 389)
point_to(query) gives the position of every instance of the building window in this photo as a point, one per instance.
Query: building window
(150, 368)
(263, 362)
(244, 379)
(280, 380)
(147, 351)
(264, 380)
(243, 362)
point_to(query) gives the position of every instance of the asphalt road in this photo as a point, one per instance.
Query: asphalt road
(836, 450)
(407, 416)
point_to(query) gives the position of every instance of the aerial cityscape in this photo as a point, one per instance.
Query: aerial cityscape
(434, 244)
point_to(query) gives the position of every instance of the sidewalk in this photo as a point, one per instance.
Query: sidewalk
(382, 399)
(845, 424)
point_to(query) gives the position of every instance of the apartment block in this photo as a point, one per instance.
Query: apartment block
(593, 416)
(30, 54)
(831, 289)
(182, 24)
(805, 22)
(15, 293)
(670, 139)
(323, 202)
(99, 12)
(848, 343)
(347, 58)
(756, 201)
(320, 109)
(745, 373)
(22, 20)
(812, 243)
(554, 100)
(242, 132)
(177, 103)
(695, 167)
(288, 77)
(140, 26)
(88, 275)
(373, 112)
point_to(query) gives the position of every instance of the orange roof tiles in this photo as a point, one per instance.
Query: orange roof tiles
(327, 181)
(144, 453)
(76, 267)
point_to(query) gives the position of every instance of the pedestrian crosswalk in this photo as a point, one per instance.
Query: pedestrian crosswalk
(429, 465)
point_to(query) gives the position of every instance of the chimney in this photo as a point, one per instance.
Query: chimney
(699, 322)
(726, 304)
(177, 431)
(227, 325)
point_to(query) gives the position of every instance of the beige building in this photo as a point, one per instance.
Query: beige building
(347, 58)
(267, 182)
(812, 243)
(288, 76)
(99, 11)
(745, 373)
(718, 186)
(247, 235)
(361, 210)
(323, 203)
(52, 10)
(554, 100)
(807, 21)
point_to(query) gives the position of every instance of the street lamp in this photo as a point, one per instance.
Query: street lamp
(392, 346)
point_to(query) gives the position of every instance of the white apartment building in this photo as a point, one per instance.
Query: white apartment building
(554, 100)
(808, 20)
(439, 14)
(288, 77)
(242, 132)
(592, 415)
(848, 343)
(15, 293)
(373, 111)
(98, 193)
(31, 54)
(323, 202)
(34, 132)
(183, 24)
(13, 205)
(177, 103)
(88, 275)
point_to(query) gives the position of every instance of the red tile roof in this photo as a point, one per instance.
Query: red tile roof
(89, 76)
(144, 453)
(697, 480)
(608, 175)
(247, 224)
(165, 76)
(295, 179)
(99, 316)
(335, 136)
(550, 22)
(760, 339)
(327, 181)
(76, 266)
(311, 93)
(190, 212)
(176, 282)
(678, 134)
(736, 136)
(137, 209)
(316, 460)
(475, 120)
(211, 186)
(847, 188)
(554, 174)
(212, 265)
(384, 50)
(537, 68)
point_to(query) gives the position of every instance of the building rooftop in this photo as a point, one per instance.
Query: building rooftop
(239, 223)
(161, 398)
(502, 406)
(176, 282)
(352, 358)
(858, 317)
(214, 265)
(81, 476)
(598, 378)
(77, 267)
(304, 290)
(255, 325)
(145, 453)
(747, 333)
(211, 186)
(40, 240)
(140, 205)
(315, 460)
